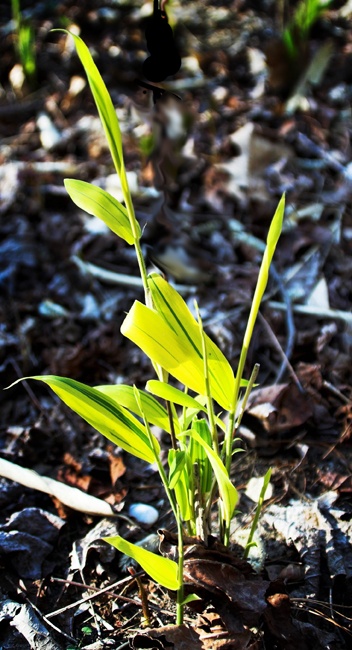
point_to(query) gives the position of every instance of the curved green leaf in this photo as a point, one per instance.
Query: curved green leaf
(146, 328)
(154, 412)
(170, 337)
(102, 413)
(228, 492)
(103, 101)
(172, 394)
(161, 569)
(101, 204)
(179, 481)
(171, 306)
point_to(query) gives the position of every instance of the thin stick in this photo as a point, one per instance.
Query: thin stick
(99, 592)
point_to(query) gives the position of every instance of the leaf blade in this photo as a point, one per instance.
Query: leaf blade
(172, 307)
(161, 569)
(228, 492)
(102, 413)
(154, 411)
(103, 101)
(101, 204)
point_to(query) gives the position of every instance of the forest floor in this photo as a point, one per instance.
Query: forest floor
(208, 161)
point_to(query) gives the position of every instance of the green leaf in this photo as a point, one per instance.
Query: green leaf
(271, 242)
(190, 599)
(103, 101)
(168, 302)
(176, 459)
(266, 481)
(102, 413)
(146, 328)
(172, 394)
(154, 412)
(160, 569)
(198, 454)
(228, 492)
(101, 204)
(179, 481)
(169, 335)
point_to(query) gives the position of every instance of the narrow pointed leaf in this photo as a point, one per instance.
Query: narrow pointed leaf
(171, 306)
(146, 328)
(228, 492)
(198, 454)
(154, 412)
(102, 413)
(190, 599)
(101, 204)
(271, 242)
(172, 394)
(103, 101)
(179, 481)
(161, 569)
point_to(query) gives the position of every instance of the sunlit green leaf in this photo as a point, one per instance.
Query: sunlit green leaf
(228, 492)
(172, 394)
(160, 569)
(176, 459)
(173, 309)
(271, 242)
(103, 101)
(154, 412)
(199, 455)
(102, 413)
(179, 481)
(101, 204)
(170, 336)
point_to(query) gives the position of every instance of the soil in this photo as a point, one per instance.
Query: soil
(208, 158)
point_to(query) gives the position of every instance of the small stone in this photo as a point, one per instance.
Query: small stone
(143, 513)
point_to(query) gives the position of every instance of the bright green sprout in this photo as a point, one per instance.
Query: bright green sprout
(198, 464)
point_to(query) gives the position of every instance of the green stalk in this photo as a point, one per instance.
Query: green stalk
(257, 513)
(161, 470)
(210, 405)
(180, 591)
(272, 239)
(135, 231)
(176, 511)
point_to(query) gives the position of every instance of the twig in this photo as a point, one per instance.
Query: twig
(336, 392)
(318, 312)
(98, 592)
(27, 387)
(286, 363)
(40, 614)
(290, 325)
(143, 596)
(121, 279)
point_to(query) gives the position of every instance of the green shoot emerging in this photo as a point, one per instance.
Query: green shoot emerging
(165, 329)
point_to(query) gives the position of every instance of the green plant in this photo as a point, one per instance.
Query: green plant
(86, 631)
(25, 42)
(296, 34)
(199, 459)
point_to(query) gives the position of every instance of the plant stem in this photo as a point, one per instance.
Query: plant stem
(135, 231)
(172, 428)
(180, 591)
(210, 406)
(257, 513)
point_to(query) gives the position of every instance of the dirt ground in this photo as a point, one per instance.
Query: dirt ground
(208, 160)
